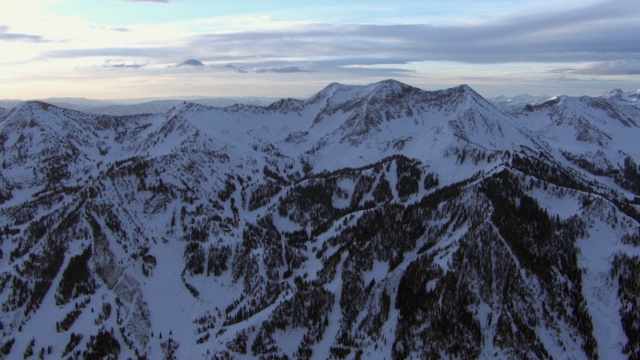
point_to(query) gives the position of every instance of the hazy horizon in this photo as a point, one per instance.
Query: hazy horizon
(140, 100)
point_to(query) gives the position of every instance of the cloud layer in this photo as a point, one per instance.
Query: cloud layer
(5, 35)
(593, 40)
(616, 67)
(119, 64)
(606, 31)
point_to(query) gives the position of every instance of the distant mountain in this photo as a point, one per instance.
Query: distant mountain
(516, 103)
(377, 221)
(139, 106)
(512, 104)
(161, 106)
(191, 62)
(618, 94)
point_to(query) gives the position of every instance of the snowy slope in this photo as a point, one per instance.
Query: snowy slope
(377, 221)
(596, 135)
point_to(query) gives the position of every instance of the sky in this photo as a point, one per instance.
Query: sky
(123, 49)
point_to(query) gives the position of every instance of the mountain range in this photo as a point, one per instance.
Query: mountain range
(378, 221)
(139, 106)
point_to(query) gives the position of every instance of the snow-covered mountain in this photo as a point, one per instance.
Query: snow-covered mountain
(514, 104)
(378, 221)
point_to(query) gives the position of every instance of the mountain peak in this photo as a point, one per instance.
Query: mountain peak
(388, 89)
(390, 84)
(26, 109)
(613, 93)
(384, 88)
(35, 105)
(329, 91)
(468, 90)
(464, 94)
(464, 87)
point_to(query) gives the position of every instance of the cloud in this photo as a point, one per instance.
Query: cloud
(5, 35)
(116, 29)
(151, 1)
(233, 69)
(147, 52)
(120, 29)
(616, 67)
(601, 33)
(119, 64)
(279, 69)
(564, 78)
